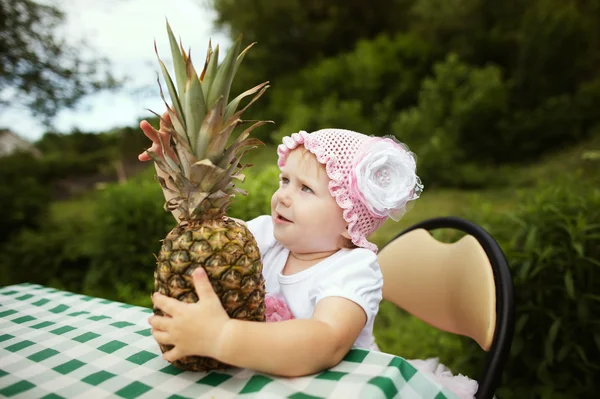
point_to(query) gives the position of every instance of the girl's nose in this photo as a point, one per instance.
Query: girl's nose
(283, 196)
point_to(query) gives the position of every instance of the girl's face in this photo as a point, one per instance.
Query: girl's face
(306, 217)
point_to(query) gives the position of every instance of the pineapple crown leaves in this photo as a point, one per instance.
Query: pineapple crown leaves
(202, 122)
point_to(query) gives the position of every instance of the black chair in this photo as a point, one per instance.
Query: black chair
(464, 287)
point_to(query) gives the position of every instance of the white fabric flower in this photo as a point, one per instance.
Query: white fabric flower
(386, 178)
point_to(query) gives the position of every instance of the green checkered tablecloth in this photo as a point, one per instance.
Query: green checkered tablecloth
(56, 344)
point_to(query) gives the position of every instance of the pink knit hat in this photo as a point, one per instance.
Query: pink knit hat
(371, 178)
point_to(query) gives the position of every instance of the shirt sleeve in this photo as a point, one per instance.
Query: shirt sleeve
(262, 230)
(355, 276)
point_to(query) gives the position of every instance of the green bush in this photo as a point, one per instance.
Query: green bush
(129, 223)
(527, 133)
(555, 256)
(453, 129)
(24, 194)
(552, 243)
(57, 253)
(260, 185)
(357, 90)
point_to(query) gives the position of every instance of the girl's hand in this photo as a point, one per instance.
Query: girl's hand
(160, 138)
(193, 328)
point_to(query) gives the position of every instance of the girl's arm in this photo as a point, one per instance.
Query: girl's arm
(289, 348)
(295, 347)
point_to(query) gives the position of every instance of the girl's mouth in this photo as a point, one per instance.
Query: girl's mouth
(281, 219)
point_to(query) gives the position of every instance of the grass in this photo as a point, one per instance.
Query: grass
(575, 159)
(401, 334)
(81, 208)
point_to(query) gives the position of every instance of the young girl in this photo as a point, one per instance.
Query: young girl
(336, 188)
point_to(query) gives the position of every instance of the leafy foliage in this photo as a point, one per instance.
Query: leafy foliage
(554, 252)
(129, 224)
(313, 29)
(356, 90)
(37, 68)
(260, 186)
(57, 253)
(506, 81)
(454, 128)
(552, 243)
(24, 194)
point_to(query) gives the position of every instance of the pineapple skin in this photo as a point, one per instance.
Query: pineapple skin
(230, 256)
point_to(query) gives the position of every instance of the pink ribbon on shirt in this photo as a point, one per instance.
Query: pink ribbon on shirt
(277, 309)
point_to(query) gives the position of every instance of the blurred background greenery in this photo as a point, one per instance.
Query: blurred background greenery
(500, 99)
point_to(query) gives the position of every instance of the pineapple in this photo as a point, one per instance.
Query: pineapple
(201, 181)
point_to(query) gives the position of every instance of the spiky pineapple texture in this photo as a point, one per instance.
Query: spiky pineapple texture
(230, 256)
(201, 181)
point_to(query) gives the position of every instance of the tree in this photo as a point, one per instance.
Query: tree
(37, 68)
(544, 47)
(293, 33)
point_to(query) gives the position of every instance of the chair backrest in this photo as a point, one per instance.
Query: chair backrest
(450, 286)
(463, 288)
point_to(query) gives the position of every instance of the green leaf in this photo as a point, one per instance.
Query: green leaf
(563, 352)
(222, 83)
(517, 346)
(549, 345)
(578, 248)
(194, 108)
(581, 353)
(239, 143)
(232, 106)
(240, 57)
(172, 92)
(178, 62)
(530, 239)
(239, 113)
(593, 261)
(569, 285)
(521, 323)
(524, 269)
(593, 297)
(211, 69)
(216, 147)
(179, 132)
(164, 163)
(208, 129)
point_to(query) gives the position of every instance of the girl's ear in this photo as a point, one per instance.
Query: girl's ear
(345, 234)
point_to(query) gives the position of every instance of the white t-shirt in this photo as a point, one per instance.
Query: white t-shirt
(353, 274)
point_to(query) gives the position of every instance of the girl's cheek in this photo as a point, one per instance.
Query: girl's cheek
(274, 199)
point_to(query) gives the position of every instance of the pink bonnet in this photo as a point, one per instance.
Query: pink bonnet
(371, 178)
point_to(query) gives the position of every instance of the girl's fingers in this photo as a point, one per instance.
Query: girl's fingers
(165, 121)
(160, 140)
(155, 148)
(150, 132)
(204, 288)
(161, 337)
(159, 322)
(166, 304)
(173, 354)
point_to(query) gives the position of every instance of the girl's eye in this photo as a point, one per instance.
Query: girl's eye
(307, 189)
(284, 180)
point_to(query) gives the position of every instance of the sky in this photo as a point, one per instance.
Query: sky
(123, 31)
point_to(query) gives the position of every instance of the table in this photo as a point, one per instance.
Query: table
(57, 344)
